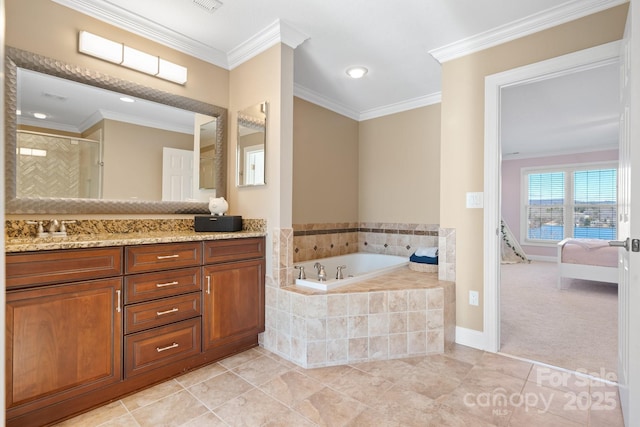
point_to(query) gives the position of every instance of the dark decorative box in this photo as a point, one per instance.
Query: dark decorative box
(218, 223)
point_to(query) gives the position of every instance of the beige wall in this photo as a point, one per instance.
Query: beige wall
(325, 165)
(399, 167)
(462, 159)
(266, 77)
(132, 157)
(47, 28)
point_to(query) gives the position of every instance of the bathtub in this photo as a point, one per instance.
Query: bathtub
(360, 266)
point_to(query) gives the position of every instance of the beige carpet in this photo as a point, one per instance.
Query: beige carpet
(575, 328)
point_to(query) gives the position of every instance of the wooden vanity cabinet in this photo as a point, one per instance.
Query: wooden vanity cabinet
(87, 326)
(233, 294)
(63, 332)
(162, 305)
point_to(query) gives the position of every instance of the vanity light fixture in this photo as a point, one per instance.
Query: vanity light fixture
(118, 53)
(356, 72)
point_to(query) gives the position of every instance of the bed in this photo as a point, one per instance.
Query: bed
(587, 259)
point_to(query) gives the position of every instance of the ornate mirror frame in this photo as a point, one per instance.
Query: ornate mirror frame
(43, 205)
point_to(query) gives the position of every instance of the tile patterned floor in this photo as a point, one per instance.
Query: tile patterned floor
(463, 387)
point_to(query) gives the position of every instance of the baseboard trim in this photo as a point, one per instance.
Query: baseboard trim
(542, 258)
(470, 338)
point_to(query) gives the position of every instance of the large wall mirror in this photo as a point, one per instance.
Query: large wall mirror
(118, 157)
(252, 144)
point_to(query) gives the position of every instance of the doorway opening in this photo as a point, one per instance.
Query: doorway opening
(526, 315)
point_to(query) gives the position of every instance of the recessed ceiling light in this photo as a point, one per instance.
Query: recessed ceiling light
(127, 99)
(357, 72)
(39, 115)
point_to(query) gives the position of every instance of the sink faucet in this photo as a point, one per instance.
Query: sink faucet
(322, 274)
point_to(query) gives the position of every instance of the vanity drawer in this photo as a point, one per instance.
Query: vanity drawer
(143, 258)
(233, 250)
(157, 347)
(69, 265)
(148, 286)
(146, 315)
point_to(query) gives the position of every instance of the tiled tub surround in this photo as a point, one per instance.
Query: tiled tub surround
(314, 241)
(401, 314)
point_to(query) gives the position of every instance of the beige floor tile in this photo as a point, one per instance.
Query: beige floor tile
(571, 405)
(492, 379)
(220, 389)
(290, 419)
(326, 375)
(253, 408)
(240, 358)
(506, 365)
(390, 370)
(123, 421)
(173, 410)
(464, 353)
(362, 386)
(97, 416)
(446, 365)
(151, 395)
(260, 370)
(201, 374)
(208, 419)
(291, 387)
(330, 408)
(559, 379)
(449, 417)
(463, 387)
(533, 418)
(432, 384)
(375, 417)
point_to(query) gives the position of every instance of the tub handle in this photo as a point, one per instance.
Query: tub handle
(339, 274)
(301, 274)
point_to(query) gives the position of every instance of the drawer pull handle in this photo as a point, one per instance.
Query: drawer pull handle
(173, 310)
(168, 256)
(169, 347)
(118, 306)
(208, 285)
(162, 285)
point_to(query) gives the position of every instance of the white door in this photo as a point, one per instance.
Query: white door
(629, 223)
(177, 174)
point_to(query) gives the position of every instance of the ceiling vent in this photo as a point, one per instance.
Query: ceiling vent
(210, 5)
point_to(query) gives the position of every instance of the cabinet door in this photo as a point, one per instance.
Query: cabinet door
(62, 341)
(233, 302)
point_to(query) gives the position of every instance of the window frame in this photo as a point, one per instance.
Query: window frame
(568, 205)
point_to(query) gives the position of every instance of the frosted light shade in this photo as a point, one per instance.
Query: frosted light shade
(173, 72)
(100, 47)
(140, 61)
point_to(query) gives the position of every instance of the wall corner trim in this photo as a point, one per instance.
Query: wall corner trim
(470, 338)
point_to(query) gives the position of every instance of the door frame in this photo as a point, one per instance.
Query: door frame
(563, 65)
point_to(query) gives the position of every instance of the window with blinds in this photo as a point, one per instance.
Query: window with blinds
(570, 202)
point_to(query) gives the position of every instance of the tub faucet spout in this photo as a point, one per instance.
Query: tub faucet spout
(322, 274)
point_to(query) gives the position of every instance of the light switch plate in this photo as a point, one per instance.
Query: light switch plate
(475, 200)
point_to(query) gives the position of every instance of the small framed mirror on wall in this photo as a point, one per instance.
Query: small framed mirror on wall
(252, 144)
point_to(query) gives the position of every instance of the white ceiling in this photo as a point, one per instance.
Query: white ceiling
(402, 43)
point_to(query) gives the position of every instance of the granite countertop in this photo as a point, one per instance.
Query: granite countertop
(75, 241)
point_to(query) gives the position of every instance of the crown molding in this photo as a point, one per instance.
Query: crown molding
(398, 107)
(561, 14)
(143, 27)
(323, 101)
(278, 32)
(329, 104)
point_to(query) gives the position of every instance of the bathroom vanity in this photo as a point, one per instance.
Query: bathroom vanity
(88, 325)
